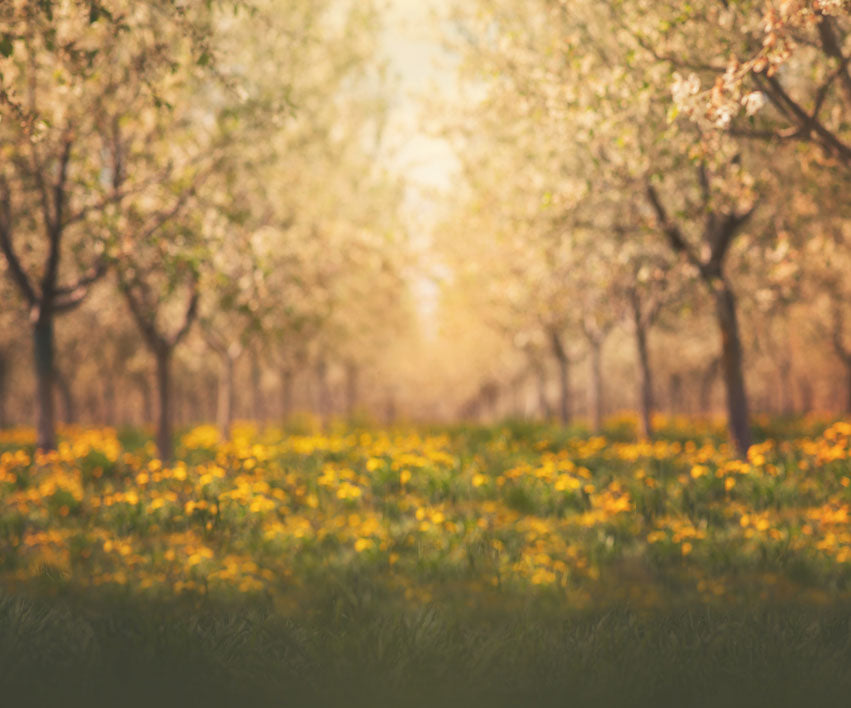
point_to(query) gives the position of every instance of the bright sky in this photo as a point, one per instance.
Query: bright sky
(421, 67)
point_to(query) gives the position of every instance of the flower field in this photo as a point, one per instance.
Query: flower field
(478, 515)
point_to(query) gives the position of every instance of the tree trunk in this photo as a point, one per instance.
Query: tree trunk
(224, 404)
(165, 444)
(489, 396)
(597, 384)
(518, 408)
(286, 392)
(175, 396)
(787, 400)
(109, 399)
(45, 379)
(210, 402)
(707, 382)
(193, 409)
(390, 411)
(805, 389)
(645, 388)
(732, 367)
(847, 363)
(323, 392)
(541, 384)
(352, 376)
(563, 362)
(66, 394)
(564, 390)
(144, 386)
(675, 394)
(4, 379)
(257, 403)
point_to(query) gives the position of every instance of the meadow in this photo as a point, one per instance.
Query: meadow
(520, 563)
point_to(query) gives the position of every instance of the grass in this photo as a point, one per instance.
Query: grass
(59, 653)
(506, 566)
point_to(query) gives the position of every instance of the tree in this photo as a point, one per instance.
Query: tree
(150, 288)
(72, 75)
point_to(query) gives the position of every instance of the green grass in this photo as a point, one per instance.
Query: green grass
(351, 649)
(335, 626)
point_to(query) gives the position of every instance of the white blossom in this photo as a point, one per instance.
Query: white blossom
(685, 88)
(753, 102)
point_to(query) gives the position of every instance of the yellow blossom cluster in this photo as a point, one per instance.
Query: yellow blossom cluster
(587, 518)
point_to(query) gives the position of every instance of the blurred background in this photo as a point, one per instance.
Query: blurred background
(395, 210)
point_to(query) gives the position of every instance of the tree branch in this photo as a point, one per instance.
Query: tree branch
(38, 175)
(71, 296)
(723, 236)
(807, 123)
(143, 319)
(833, 48)
(837, 335)
(95, 273)
(54, 224)
(189, 317)
(19, 275)
(671, 230)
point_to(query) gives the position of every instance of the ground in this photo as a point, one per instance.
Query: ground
(515, 563)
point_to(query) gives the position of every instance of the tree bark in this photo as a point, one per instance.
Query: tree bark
(286, 392)
(144, 387)
(162, 347)
(847, 363)
(390, 411)
(4, 380)
(323, 392)
(352, 376)
(732, 367)
(596, 390)
(675, 394)
(45, 380)
(707, 381)
(721, 228)
(645, 387)
(805, 390)
(66, 394)
(193, 405)
(541, 385)
(564, 411)
(224, 404)
(165, 444)
(787, 398)
(257, 402)
(110, 415)
(841, 349)
(563, 362)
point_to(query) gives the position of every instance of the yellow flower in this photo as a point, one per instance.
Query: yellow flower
(363, 544)
(567, 483)
(698, 471)
(349, 491)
